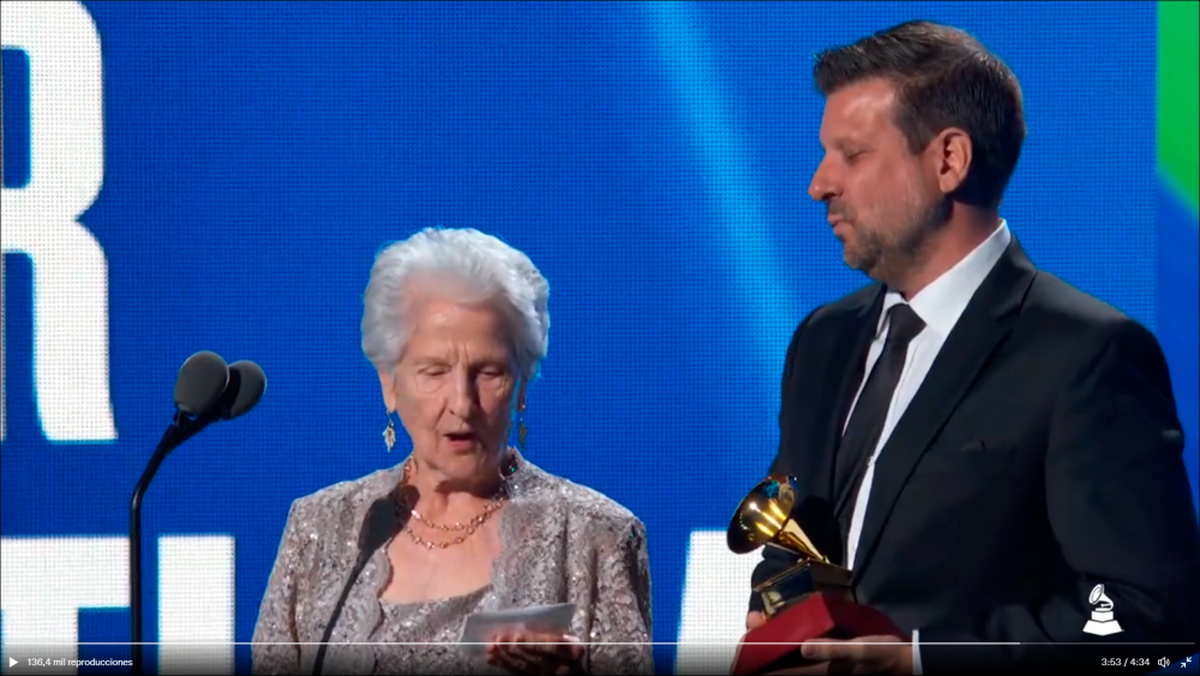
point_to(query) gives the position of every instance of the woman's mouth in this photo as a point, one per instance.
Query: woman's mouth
(461, 440)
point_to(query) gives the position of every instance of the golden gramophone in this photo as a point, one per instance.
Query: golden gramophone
(811, 599)
(765, 518)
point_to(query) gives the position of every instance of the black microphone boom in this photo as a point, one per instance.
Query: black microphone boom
(385, 517)
(206, 390)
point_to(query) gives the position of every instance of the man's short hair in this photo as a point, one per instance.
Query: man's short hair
(944, 78)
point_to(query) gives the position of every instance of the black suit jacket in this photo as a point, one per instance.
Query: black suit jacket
(1041, 455)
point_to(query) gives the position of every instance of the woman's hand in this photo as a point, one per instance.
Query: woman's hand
(518, 652)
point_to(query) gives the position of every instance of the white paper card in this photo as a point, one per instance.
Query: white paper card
(480, 627)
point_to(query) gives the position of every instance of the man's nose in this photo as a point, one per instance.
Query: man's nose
(822, 188)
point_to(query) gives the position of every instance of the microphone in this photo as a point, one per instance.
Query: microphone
(201, 381)
(206, 390)
(247, 383)
(384, 518)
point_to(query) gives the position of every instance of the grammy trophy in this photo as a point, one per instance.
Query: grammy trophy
(811, 599)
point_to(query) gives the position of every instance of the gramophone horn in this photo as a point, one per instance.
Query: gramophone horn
(765, 517)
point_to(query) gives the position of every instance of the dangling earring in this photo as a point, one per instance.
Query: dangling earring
(389, 433)
(521, 429)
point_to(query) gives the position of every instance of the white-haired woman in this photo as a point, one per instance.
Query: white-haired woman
(455, 323)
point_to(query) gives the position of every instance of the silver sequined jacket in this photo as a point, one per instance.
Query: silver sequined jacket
(561, 542)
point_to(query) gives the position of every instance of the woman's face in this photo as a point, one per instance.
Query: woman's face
(453, 386)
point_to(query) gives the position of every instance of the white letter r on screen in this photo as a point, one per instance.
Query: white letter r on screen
(41, 219)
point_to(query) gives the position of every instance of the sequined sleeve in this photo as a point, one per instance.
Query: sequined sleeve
(621, 615)
(277, 613)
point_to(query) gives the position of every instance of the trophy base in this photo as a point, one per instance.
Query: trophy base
(821, 615)
(801, 580)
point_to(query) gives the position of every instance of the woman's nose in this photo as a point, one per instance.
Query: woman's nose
(462, 398)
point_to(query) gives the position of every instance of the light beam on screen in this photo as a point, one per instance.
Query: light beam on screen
(41, 219)
(731, 183)
(714, 595)
(196, 597)
(43, 584)
(713, 611)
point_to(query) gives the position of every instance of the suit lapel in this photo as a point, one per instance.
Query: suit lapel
(846, 363)
(971, 343)
(820, 411)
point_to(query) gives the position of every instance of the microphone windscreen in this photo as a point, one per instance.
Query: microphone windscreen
(381, 523)
(247, 382)
(201, 382)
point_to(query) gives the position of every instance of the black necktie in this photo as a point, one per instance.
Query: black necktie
(870, 412)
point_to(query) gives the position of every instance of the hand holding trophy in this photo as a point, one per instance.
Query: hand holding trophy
(811, 599)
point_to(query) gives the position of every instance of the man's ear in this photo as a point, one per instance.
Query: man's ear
(951, 153)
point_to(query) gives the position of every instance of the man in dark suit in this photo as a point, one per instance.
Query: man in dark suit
(980, 442)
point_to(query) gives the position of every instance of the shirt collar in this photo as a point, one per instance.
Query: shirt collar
(941, 303)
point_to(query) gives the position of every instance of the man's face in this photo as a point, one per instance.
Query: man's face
(883, 201)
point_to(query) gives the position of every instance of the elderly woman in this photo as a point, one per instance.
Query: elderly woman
(455, 323)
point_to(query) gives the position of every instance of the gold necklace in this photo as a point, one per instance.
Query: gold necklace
(470, 527)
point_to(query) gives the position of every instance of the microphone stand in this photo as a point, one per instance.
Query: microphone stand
(383, 520)
(181, 429)
(363, 559)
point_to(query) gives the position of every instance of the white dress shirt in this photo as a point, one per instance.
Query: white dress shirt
(939, 305)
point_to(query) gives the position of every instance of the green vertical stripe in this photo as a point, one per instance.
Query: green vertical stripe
(1179, 95)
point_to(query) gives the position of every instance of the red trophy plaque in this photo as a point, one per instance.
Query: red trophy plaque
(811, 600)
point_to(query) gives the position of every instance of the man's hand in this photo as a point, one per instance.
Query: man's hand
(864, 655)
(754, 620)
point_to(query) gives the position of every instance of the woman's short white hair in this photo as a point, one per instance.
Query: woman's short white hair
(465, 265)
